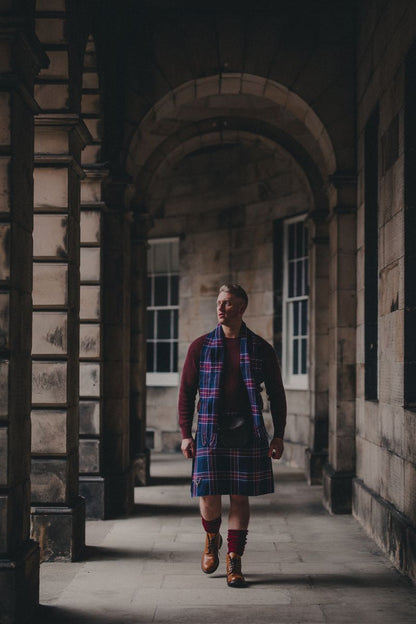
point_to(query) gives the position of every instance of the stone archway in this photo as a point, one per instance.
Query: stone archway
(256, 116)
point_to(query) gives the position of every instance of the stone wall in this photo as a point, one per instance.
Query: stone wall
(385, 488)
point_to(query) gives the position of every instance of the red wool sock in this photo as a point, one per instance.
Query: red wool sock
(237, 540)
(211, 526)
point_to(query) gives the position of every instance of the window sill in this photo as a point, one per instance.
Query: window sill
(162, 379)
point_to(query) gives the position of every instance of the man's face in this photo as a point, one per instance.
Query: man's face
(229, 308)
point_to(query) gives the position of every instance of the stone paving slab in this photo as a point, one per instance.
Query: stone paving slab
(302, 565)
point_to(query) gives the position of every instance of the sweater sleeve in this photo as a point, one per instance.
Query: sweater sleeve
(189, 387)
(275, 391)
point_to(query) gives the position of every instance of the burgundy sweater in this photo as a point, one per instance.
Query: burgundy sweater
(235, 397)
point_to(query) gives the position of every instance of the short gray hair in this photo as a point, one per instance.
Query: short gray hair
(236, 290)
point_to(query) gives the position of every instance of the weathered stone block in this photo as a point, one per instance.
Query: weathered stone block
(5, 118)
(3, 455)
(4, 320)
(50, 284)
(49, 434)
(49, 481)
(52, 96)
(90, 336)
(90, 226)
(89, 383)
(92, 489)
(4, 251)
(50, 188)
(60, 531)
(49, 334)
(49, 382)
(90, 264)
(4, 388)
(50, 236)
(58, 62)
(89, 456)
(90, 303)
(89, 417)
(4, 184)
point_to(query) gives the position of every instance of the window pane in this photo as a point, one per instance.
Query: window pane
(150, 324)
(175, 323)
(306, 277)
(161, 258)
(304, 329)
(175, 357)
(163, 357)
(150, 358)
(295, 357)
(163, 324)
(299, 280)
(174, 290)
(149, 291)
(295, 307)
(161, 290)
(291, 285)
(303, 365)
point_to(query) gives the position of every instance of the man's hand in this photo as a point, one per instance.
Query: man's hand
(188, 447)
(276, 448)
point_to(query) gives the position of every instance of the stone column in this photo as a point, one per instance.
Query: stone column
(139, 453)
(117, 470)
(317, 453)
(91, 479)
(58, 513)
(20, 57)
(340, 470)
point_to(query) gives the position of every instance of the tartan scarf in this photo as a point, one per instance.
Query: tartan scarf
(210, 377)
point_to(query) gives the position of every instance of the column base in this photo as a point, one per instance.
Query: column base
(337, 490)
(141, 468)
(92, 489)
(314, 464)
(393, 532)
(60, 531)
(119, 494)
(19, 586)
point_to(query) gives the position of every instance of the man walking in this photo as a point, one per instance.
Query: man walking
(231, 453)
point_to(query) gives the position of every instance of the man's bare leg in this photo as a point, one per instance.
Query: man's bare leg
(239, 515)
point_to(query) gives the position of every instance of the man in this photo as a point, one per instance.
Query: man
(231, 453)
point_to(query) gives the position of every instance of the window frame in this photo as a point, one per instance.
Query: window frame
(291, 380)
(158, 378)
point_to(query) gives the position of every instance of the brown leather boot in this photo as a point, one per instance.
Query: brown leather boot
(235, 577)
(210, 560)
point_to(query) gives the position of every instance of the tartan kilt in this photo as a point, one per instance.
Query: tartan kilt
(220, 470)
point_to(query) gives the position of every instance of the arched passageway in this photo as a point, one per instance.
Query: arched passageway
(270, 144)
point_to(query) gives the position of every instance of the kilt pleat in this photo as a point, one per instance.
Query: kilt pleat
(245, 471)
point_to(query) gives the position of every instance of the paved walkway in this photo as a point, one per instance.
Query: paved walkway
(302, 565)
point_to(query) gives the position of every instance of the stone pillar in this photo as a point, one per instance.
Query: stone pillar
(58, 518)
(317, 453)
(91, 481)
(117, 470)
(139, 453)
(340, 470)
(20, 57)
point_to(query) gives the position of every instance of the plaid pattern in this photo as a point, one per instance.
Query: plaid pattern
(218, 470)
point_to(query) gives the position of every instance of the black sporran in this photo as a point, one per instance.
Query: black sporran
(234, 430)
